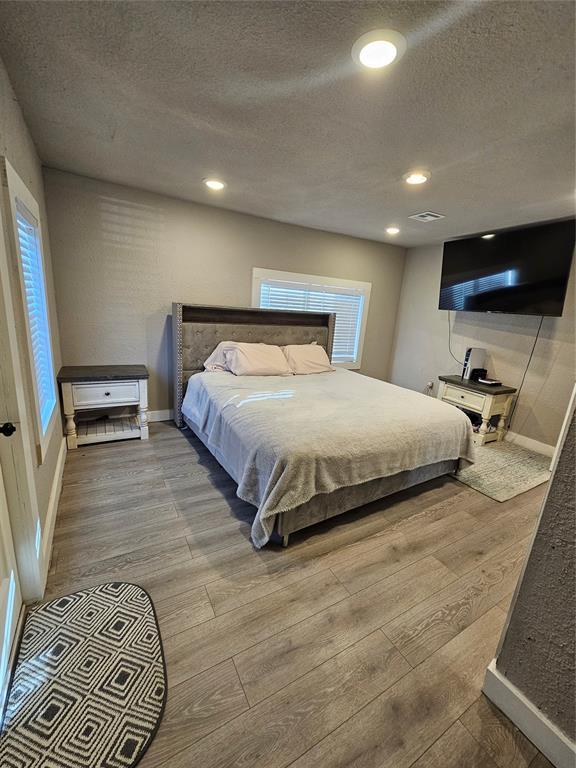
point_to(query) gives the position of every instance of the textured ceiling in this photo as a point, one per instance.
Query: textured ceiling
(159, 95)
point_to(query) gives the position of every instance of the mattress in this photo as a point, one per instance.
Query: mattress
(287, 439)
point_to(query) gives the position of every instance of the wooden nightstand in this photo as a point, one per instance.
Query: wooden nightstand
(90, 387)
(482, 399)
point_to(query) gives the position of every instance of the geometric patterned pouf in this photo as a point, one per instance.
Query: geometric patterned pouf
(89, 687)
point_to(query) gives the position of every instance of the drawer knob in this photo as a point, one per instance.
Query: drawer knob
(107, 394)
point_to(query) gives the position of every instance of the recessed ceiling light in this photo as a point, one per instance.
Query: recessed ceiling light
(392, 231)
(214, 184)
(488, 237)
(416, 177)
(379, 48)
(378, 54)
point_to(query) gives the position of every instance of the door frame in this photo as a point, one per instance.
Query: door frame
(16, 610)
(17, 457)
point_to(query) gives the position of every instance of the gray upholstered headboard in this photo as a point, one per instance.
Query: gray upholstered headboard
(196, 331)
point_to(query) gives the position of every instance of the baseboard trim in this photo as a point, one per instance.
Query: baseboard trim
(13, 658)
(549, 739)
(50, 520)
(532, 445)
(166, 415)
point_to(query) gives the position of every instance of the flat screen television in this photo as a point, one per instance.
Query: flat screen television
(521, 271)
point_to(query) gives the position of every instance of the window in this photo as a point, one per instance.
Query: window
(346, 298)
(28, 235)
(37, 311)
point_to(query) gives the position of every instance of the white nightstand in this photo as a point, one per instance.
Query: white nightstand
(482, 399)
(91, 387)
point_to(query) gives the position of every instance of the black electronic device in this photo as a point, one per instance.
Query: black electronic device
(478, 373)
(521, 271)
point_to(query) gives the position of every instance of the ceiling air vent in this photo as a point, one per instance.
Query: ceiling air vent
(426, 216)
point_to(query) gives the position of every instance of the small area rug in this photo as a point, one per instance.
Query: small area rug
(503, 470)
(89, 686)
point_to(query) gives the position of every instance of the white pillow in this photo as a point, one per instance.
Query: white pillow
(256, 360)
(307, 358)
(217, 360)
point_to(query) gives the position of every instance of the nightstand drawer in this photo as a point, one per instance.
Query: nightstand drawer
(101, 393)
(463, 397)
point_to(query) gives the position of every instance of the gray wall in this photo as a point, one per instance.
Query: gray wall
(421, 347)
(16, 145)
(538, 652)
(122, 255)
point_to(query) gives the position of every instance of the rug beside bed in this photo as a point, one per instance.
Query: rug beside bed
(89, 687)
(503, 470)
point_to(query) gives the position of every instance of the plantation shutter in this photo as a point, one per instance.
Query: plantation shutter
(346, 303)
(37, 312)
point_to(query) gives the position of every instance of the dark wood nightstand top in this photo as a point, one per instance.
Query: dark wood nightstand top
(484, 389)
(102, 373)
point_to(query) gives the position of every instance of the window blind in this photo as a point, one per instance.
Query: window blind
(346, 303)
(37, 311)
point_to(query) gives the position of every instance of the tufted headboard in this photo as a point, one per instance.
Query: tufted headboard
(197, 329)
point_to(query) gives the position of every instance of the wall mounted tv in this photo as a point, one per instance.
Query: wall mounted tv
(521, 271)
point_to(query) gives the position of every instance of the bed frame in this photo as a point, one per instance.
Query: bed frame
(197, 329)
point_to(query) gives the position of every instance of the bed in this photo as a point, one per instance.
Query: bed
(306, 448)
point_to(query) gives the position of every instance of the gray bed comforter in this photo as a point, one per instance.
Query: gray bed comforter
(285, 439)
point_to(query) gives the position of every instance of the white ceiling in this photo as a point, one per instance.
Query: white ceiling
(160, 94)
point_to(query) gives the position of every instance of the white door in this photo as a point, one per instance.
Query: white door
(17, 457)
(10, 597)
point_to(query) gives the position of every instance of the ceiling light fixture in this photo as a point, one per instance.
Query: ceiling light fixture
(392, 231)
(416, 177)
(214, 184)
(379, 48)
(488, 237)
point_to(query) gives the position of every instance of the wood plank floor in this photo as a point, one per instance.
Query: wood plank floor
(363, 644)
